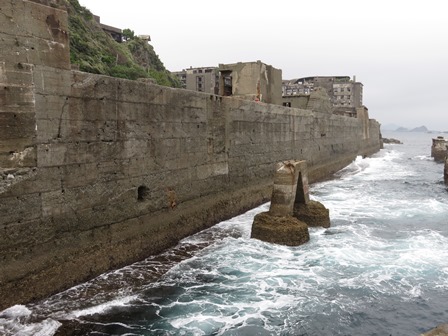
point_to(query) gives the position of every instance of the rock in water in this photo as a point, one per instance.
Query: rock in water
(285, 230)
(392, 141)
(441, 330)
(313, 214)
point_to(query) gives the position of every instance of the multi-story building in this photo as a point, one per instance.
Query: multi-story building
(203, 79)
(345, 94)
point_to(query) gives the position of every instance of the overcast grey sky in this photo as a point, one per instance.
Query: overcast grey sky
(398, 49)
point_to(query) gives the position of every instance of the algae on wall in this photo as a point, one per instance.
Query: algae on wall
(94, 51)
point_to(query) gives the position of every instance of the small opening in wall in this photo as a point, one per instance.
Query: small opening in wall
(142, 193)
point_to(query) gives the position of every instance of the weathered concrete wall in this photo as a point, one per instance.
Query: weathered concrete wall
(299, 101)
(98, 172)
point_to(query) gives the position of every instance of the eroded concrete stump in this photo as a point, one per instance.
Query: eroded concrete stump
(313, 214)
(291, 210)
(284, 230)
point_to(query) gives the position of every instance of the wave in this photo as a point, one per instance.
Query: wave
(381, 261)
(17, 321)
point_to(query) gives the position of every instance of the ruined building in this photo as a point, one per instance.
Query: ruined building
(252, 81)
(258, 81)
(115, 33)
(247, 80)
(202, 79)
(345, 94)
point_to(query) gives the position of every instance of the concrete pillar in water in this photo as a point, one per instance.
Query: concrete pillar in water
(281, 224)
(290, 183)
(439, 149)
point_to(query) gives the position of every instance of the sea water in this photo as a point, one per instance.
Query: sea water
(380, 269)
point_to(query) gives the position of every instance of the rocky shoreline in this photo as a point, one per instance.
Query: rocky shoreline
(392, 141)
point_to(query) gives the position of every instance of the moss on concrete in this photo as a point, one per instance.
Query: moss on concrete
(285, 230)
(313, 214)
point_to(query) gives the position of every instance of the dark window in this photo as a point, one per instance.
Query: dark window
(142, 193)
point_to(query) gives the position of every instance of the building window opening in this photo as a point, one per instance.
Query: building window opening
(142, 193)
(227, 89)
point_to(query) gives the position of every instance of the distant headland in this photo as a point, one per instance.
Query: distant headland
(397, 128)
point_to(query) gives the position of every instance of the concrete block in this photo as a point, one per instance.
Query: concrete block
(20, 209)
(16, 74)
(16, 99)
(52, 81)
(17, 125)
(35, 33)
(212, 169)
(49, 155)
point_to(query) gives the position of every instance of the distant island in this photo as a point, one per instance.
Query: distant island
(396, 128)
(416, 129)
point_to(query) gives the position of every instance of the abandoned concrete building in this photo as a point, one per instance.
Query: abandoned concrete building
(115, 33)
(261, 82)
(248, 80)
(202, 79)
(345, 93)
(251, 80)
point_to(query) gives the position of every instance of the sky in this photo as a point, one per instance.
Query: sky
(398, 49)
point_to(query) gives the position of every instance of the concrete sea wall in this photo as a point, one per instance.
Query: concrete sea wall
(97, 172)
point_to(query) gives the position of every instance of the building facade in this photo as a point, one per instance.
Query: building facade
(346, 94)
(115, 33)
(252, 81)
(202, 79)
(247, 80)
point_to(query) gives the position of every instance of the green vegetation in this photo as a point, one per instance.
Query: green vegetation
(97, 52)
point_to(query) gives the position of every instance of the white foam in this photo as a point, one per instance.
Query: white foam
(101, 308)
(14, 321)
(15, 311)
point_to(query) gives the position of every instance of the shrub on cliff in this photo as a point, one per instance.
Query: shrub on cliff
(95, 51)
